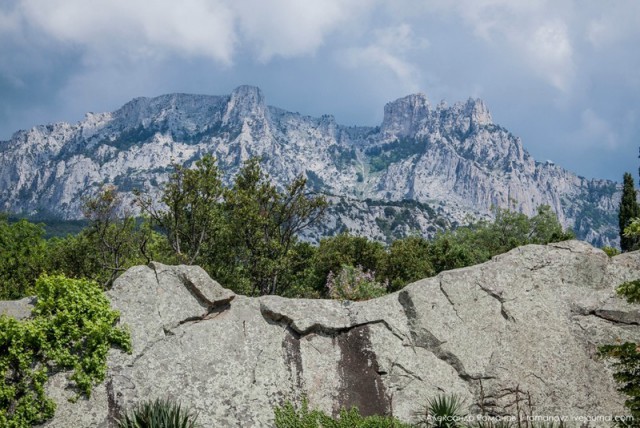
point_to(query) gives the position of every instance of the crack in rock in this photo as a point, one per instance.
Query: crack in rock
(423, 338)
(609, 315)
(453, 306)
(498, 296)
(148, 346)
(319, 327)
(408, 372)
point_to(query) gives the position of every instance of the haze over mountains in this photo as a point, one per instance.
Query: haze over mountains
(424, 168)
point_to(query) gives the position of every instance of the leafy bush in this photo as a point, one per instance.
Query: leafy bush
(630, 290)
(407, 261)
(72, 329)
(354, 283)
(611, 251)
(158, 414)
(288, 417)
(344, 249)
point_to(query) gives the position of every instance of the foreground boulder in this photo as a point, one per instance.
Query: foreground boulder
(518, 332)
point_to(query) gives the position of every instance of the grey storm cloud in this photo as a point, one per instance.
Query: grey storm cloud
(561, 74)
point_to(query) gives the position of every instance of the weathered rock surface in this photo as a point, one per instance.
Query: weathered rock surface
(528, 321)
(18, 309)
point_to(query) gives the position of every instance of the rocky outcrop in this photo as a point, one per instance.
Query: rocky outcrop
(18, 309)
(453, 158)
(525, 324)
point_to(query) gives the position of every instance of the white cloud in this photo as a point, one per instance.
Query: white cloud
(389, 49)
(617, 22)
(596, 131)
(209, 28)
(290, 28)
(137, 27)
(550, 52)
(534, 33)
(9, 21)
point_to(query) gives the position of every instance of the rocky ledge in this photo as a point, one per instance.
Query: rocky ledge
(525, 324)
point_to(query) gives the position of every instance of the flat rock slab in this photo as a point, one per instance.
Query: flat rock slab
(18, 309)
(525, 324)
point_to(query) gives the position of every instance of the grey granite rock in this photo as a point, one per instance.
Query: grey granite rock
(524, 327)
(18, 309)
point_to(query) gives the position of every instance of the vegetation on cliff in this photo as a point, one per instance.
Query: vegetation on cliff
(71, 329)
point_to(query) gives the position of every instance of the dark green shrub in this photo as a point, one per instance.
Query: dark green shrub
(611, 251)
(158, 414)
(407, 260)
(345, 250)
(288, 416)
(630, 290)
(22, 257)
(354, 283)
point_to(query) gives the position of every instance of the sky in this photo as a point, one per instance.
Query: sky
(563, 75)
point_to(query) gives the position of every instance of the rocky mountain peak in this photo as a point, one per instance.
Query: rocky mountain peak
(245, 102)
(403, 116)
(478, 112)
(450, 155)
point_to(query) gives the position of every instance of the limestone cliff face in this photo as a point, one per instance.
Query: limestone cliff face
(454, 159)
(528, 321)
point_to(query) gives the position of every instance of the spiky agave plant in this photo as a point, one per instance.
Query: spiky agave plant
(443, 411)
(161, 413)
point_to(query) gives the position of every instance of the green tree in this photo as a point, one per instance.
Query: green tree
(407, 260)
(345, 250)
(193, 214)
(265, 224)
(22, 257)
(244, 236)
(302, 276)
(510, 229)
(114, 237)
(628, 210)
(75, 256)
(544, 227)
(479, 242)
(456, 249)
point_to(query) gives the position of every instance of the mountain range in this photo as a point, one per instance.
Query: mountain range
(424, 168)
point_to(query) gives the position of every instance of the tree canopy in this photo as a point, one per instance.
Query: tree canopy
(628, 210)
